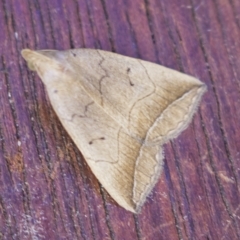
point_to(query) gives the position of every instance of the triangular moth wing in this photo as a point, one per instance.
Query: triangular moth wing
(127, 168)
(151, 102)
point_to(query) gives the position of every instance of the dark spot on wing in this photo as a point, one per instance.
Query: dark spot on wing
(130, 82)
(91, 142)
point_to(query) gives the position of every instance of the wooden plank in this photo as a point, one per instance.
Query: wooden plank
(46, 189)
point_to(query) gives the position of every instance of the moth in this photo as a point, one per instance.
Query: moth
(119, 111)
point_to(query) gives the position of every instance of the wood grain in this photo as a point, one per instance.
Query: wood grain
(46, 189)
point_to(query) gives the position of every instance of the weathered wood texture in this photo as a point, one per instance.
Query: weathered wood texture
(46, 189)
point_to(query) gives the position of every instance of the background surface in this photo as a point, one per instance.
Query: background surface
(46, 189)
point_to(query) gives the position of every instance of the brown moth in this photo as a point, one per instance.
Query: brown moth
(119, 111)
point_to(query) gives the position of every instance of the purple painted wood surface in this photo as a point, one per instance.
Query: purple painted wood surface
(46, 189)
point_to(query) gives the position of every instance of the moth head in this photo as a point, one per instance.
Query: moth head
(47, 67)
